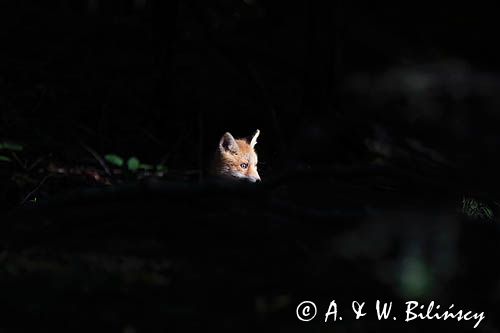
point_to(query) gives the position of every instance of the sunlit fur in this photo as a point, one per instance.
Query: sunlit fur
(232, 153)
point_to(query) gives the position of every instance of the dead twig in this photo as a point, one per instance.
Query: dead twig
(98, 158)
(18, 160)
(34, 164)
(40, 184)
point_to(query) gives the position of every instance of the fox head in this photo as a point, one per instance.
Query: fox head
(236, 158)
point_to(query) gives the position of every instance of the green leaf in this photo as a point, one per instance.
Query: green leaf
(4, 159)
(133, 164)
(476, 209)
(11, 146)
(114, 159)
(487, 212)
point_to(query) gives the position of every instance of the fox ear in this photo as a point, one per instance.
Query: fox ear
(228, 143)
(253, 141)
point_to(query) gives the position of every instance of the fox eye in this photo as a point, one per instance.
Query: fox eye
(244, 165)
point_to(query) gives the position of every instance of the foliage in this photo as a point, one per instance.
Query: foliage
(9, 147)
(476, 209)
(114, 159)
(133, 164)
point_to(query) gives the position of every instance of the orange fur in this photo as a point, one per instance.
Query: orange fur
(236, 158)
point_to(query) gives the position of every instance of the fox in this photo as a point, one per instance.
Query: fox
(236, 159)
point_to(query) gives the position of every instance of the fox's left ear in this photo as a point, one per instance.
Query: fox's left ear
(253, 141)
(228, 143)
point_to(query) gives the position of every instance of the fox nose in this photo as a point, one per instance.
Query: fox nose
(253, 176)
(254, 179)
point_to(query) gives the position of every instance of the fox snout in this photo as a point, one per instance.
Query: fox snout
(254, 177)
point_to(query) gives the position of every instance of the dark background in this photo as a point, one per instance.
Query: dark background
(377, 152)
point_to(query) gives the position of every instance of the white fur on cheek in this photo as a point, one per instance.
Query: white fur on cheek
(238, 175)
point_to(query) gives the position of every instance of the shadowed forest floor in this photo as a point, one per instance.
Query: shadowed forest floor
(161, 255)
